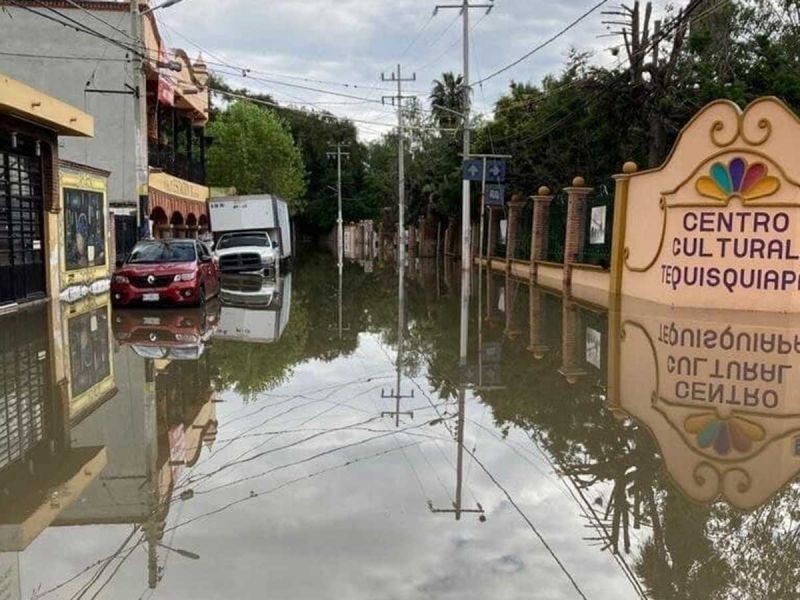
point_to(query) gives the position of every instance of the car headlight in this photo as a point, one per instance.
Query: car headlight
(184, 277)
(121, 279)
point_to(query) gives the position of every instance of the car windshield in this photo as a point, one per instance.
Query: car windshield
(163, 252)
(238, 241)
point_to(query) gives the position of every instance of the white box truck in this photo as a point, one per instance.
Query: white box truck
(251, 233)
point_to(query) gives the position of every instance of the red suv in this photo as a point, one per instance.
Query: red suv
(180, 272)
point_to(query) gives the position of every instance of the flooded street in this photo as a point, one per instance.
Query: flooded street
(300, 439)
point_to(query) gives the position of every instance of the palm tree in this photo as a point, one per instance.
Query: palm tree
(448, 100)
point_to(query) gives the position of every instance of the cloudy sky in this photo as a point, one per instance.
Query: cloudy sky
(353, 41)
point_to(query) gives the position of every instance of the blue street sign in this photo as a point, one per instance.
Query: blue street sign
(473, 170)
(495, 170)
(495, 195)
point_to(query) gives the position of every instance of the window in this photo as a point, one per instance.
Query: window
(163, 252)
(260, 240)
(84, 230)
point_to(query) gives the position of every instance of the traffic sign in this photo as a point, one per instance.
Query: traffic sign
(473, 170)
(495, 195)
(495, 170)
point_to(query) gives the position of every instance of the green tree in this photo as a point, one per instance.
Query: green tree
(254, 152)
(448, 99)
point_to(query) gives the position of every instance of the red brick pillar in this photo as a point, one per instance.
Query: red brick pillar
(495, 212)
(573, 343)
(576, 226)
(540, 227)
(536, 323)
(514, 207)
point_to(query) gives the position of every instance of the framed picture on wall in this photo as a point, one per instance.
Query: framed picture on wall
(84, 229)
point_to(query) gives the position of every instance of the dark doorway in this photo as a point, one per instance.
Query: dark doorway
(126, 235)
(22, 274)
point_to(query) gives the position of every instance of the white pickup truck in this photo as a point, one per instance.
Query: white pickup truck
(252, 233)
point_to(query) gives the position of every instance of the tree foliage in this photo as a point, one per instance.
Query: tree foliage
(254, 152)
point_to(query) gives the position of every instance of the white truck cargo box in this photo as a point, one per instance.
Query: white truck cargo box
(253, 213)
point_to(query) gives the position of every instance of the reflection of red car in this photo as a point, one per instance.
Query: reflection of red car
(176, 334)
(180, 272)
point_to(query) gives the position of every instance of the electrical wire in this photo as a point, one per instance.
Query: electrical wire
(324, 114)
(544, 44)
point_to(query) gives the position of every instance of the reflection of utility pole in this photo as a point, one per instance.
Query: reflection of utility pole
(339, 222)
(151, 460)
(397, 393)
(458, 508)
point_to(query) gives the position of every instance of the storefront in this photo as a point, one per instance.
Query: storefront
(30, 125)
(178, 208)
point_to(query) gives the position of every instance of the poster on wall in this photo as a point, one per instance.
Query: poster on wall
(89, 350)
(84, 229)
(597, 229)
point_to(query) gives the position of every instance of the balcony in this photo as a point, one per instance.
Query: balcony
(178, 164)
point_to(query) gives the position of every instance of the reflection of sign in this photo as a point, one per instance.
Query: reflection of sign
(716, 391)
(495, 170)
(495, 194)
(716, 225)
(597, 227)
(594, 351)
(89, 349)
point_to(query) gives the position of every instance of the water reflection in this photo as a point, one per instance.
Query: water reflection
(303, 430)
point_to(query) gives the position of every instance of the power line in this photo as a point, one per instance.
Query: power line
(323, 114)
(544, 44)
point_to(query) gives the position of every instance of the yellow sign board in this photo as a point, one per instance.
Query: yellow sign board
(718, 225)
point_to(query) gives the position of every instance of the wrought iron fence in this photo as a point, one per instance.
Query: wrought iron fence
(557, 228)
(599, 221)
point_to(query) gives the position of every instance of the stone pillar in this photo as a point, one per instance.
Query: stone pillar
(540, 227)
(576, 226)
(514, 207)
(573, 343)
(536, 323)
(495, 212)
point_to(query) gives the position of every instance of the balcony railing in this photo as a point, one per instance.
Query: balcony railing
(178, 165)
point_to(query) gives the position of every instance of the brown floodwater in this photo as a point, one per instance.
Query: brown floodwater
(319, 437)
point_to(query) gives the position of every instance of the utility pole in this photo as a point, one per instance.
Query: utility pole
(464, 7)
(340, 227)
(401, 159)
(140, 119)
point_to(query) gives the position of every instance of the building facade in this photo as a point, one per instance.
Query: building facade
(150, 114)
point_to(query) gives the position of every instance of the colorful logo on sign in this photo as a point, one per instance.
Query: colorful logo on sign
(724, 435)
(738, 179)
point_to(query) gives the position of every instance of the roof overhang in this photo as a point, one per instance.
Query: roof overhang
(25, 102)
